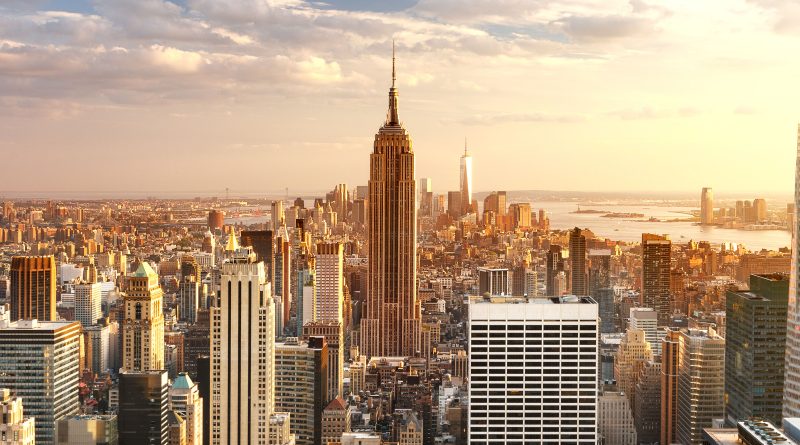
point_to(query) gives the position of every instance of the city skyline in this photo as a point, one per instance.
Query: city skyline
(198, 85)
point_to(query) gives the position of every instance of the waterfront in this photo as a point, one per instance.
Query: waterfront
(561, 217)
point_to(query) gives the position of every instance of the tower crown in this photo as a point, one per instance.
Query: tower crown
(392, 120)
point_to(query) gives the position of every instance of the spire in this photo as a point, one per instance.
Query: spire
(465, 145)
(391, 117)
(394, 74)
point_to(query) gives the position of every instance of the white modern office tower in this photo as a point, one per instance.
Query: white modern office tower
(242, 353)
(184, 398)
(39, 361)
(701, 384)
(791, 384)
(465, 182)
(329, 282)
(533, 370)
(88, 299)
(615, 419)
(646, 319)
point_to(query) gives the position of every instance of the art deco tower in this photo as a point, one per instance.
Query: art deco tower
(391, 323)
(143, 332)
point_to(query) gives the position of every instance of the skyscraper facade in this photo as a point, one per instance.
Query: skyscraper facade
(701, 384)
(543, 354)
(465, 182)
(301, 386)
(87, 303)
(390, 325)
(329, 282)
(33, 288)
(577, 260)
(143, 408)
(242, 354)
(656, 257)
(277, 215)
(670, 353)
(755, 347)
(791, 387)
(143, 329)
(707, 206)
(39, 361)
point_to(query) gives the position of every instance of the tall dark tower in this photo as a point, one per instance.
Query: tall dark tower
(391, 322)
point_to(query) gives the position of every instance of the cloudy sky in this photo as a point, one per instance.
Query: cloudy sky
(257, 95)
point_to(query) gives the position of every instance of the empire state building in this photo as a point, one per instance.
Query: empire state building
(391, 324)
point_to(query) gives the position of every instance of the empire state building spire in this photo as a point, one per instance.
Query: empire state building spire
(391, 117)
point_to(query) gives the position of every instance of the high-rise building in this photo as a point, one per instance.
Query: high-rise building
(760, 209)
(605, 302)
(33, 288)
(216, 219)
(465, 183)
(242, 354)
(670, 348)
(39, 361)
(646, 319)
(329, 282)
(599, 270)
(15, 428)
(755, 345)
(454, 206)
(88, 429)
(283, 273)
(634, 351)
(656, 256)
(88, 303)
(143, 407)
(555, 264)
(493, 281)
(390, 325)
(184, 399)
(143, 329)
(647, 406)
(577, 262)
(555, 328)
(425, 197)
(615, 419)
(333, 332)
(277, 215)
(707, 206)
(301, 380)
(97, 347)
(701, 384)
(262, 243)
(791, 387)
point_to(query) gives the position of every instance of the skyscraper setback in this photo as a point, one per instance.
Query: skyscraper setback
(391, 324)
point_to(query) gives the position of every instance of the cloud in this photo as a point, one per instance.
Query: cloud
(176, 59)
(647, 112)
(506, 118)
(598, 28)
